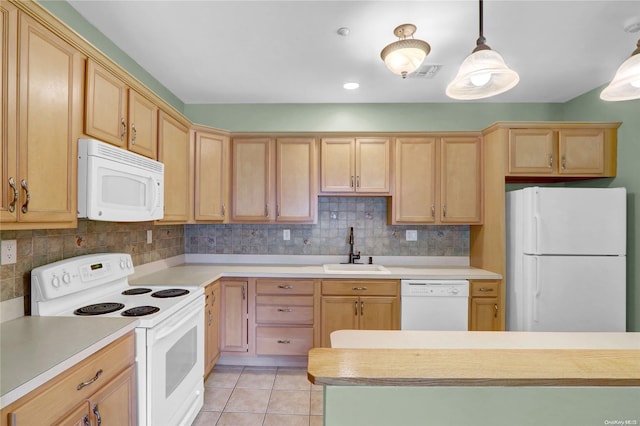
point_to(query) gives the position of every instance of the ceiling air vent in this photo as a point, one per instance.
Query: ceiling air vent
(425, 71)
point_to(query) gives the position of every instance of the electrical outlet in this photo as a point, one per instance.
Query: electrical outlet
(9, 252)
(286, 234)
(149, 236)
(412, 235)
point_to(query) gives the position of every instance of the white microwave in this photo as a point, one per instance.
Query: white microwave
(118, 185)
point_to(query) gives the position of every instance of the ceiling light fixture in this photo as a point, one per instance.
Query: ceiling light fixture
(404, 56)
(626, 83)
(483, 73)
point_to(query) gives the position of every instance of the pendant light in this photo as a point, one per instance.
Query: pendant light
(405, 55)
(482, 74)
(626, 83)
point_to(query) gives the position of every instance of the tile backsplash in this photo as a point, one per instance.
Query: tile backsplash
(41, 246)
(367, 215)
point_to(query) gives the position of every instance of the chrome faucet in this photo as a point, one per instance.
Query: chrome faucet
(352, 256)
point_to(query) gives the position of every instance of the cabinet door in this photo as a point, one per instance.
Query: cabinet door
(233, 314)
(50, 118)
(337, 165)
(175, 153)
(379, 313)
(212, 315)
(115, 402)
(8, 158)
(581, 151)
(414, 200)
(532, 152)
(252, 194)
(484, 314)
(461, 180)
(211, 176)
(296, 189)
(143, 125)
(338, 313)
(372, 164)
(105, 106)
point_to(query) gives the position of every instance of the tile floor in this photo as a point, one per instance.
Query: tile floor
(260, 396)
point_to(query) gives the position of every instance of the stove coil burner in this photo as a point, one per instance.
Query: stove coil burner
(134, 291)
(98, 309)
(172, 292)
(140, 311)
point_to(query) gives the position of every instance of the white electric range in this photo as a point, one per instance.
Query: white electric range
(169, 335)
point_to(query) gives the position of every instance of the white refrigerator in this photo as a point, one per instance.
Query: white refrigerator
(566, 259)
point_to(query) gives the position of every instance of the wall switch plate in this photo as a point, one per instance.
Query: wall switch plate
(286, 234)
(9, 252)
(412, 235)
(149, 236)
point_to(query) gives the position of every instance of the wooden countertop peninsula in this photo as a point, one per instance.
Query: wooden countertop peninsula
(507, 359)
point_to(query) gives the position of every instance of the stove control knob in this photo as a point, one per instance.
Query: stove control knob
(55, 282)
(129, 265)
(66, 278)
(122, 264)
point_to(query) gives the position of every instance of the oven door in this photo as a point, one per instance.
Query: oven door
(175, 367)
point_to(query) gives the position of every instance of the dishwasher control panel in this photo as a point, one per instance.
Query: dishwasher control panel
(434, 288)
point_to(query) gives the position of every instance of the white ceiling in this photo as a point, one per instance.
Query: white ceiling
(290, 52)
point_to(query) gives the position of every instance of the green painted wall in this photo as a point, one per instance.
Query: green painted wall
(409, 117)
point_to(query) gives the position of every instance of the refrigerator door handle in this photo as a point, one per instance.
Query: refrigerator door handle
(536, 293)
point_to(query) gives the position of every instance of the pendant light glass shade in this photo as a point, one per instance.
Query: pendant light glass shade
(481, 75)
(407, 54)
(626, 83)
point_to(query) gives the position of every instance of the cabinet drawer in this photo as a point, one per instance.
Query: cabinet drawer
(52, 400)
(284, 314)
(284, 340)
(284, 287)
(484, 288)
(370, 288)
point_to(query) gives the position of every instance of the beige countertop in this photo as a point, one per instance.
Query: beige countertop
(203, 273)
(432, 358)
(34, 350)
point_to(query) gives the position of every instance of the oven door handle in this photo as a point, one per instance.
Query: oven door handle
(168, 329)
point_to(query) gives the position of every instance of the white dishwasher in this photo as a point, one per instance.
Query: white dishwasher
(434, 304)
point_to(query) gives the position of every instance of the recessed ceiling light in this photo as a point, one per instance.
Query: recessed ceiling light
(343, 31)
(351, 85)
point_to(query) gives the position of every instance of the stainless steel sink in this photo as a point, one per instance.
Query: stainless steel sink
(354, 268)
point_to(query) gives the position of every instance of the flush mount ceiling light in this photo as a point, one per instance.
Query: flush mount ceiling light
(405, 55)
(626, 83)
(482, 74)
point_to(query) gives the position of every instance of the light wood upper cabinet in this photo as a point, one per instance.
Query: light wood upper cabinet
(580, 151)
(296, 180)
(117, 114)
(48, 116)
(461, 180)
(211, 176)
(438, 180)
(350, 165)
(274, 180)
(175, 153)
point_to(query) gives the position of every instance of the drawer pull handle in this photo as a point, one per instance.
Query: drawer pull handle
(285, 310)
(88, 382)
(485, 289)
(285, 286)
(284, 342)
(359, 288)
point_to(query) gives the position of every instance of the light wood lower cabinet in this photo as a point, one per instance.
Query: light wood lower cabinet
(484, 305)
(212, 326)
(284, 317)
(358, 305)
(102, 386)
(234, 311)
